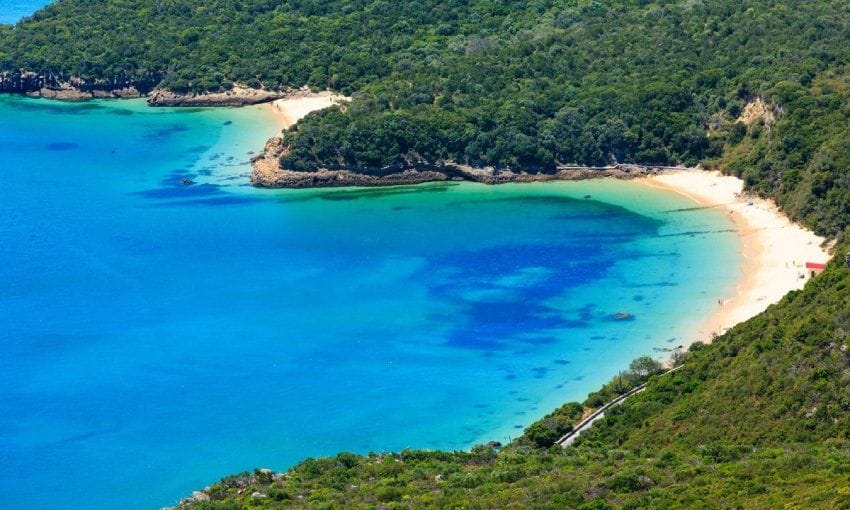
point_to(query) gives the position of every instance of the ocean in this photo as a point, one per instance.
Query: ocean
(163, 324)
(11, 11)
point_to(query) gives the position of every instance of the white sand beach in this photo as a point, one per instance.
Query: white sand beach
(292, 109)
(774, 249)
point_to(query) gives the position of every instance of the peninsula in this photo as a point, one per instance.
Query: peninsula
(375, 93)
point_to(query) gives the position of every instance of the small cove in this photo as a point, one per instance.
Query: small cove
(175, 333)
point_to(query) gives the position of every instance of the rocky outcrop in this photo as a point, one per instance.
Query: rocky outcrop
(237, 96)
(755, 110)
(77, 89)
(336, 178)
(267, 173)
(72, 88)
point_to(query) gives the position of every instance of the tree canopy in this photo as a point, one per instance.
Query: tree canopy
(522, 84)
(760, 418)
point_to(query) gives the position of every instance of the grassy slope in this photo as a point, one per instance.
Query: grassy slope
(758, 419)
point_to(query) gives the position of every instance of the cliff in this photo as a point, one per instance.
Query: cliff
(54, 86)
(64, 88)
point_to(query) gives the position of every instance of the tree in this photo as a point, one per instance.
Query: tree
(645, 366)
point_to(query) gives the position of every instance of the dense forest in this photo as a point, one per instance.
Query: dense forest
(526, 85)
(758, 419)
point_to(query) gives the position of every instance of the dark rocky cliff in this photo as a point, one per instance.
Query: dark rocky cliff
(56, 86)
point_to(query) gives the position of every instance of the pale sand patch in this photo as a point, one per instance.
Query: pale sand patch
(287, 112)
(292, 109)
(774, 250)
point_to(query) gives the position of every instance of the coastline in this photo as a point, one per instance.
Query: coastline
(774, 249)
(75, 89)
(298, 105)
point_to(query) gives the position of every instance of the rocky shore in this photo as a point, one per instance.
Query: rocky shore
(267, 173)
(77, 89)
(237, 96)
(74, 89)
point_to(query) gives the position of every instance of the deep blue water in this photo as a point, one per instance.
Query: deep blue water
(11, 11)
(155, 335)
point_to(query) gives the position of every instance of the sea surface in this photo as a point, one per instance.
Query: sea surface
(163, 324)
(11, 11)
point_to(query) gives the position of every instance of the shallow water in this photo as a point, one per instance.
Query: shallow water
(155, 336)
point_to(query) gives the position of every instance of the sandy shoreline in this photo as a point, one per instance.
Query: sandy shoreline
(292, 109)
(774, 250)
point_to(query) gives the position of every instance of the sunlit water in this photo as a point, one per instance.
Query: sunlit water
(156, 335)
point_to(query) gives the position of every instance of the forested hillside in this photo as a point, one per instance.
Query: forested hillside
(758, 88)
(512, 84)
(758, 419)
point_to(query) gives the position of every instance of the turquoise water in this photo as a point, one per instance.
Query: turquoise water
(11, 11)
(155, 336)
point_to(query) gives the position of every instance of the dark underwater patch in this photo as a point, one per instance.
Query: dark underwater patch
(695, 208)
(217, 201)
(62, 146)
(382, 191)
(178, 177)
(509, 314)
(694, 233)
(88, 435)
(620, 317)
(166, 132)
(52, 107)
(181, 191)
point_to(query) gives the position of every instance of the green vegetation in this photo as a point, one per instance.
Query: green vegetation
(758, 419)
(544, 432)
(507, 83)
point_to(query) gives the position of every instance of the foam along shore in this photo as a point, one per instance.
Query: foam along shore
(774, 249)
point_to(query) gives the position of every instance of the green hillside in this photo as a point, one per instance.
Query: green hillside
(758, 419)
(528, 85)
